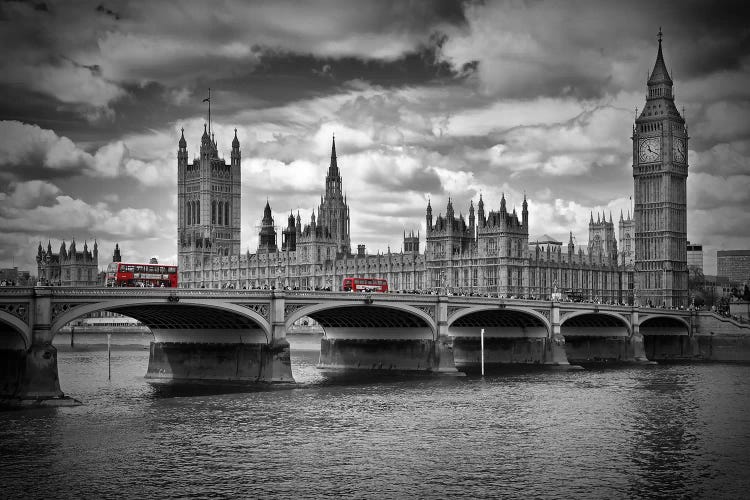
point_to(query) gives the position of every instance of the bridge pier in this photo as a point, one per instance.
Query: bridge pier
(636, 344)
(29, 374)
(397, 352)
(510, 341)
(239, 356)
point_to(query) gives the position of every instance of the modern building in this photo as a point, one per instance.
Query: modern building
(68, 267)
(695, 255)
(660, 170)
(490, 253)
(734, 264)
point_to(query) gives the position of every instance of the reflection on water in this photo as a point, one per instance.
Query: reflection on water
(627, 432)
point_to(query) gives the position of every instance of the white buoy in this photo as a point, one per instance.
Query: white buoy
(482, 342)
(109, 357)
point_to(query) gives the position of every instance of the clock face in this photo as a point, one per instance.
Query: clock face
(649, 150)
(678, 150)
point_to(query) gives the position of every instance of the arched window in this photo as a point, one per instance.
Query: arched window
(213, 212)
(220, 213)
(226, 213)
(198, 212)
(188, 212)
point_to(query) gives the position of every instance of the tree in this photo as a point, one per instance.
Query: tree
(696, 279)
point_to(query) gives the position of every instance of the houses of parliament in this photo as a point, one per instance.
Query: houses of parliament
(490, 253)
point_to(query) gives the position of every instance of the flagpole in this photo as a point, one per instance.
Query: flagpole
(209, 111)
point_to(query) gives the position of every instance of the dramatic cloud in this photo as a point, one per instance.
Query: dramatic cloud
(27, 151)
(427, 100)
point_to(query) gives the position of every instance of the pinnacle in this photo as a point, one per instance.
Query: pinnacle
(659, 73)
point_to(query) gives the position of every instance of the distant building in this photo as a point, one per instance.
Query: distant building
(68, 267)
(717, 287)
(489, 252)
(11, 276)
(734, 264)
(627, 240)
(695, 255)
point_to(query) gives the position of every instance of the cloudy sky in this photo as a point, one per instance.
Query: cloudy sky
(427, 100)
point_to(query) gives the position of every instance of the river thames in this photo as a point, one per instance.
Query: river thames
(672, 431)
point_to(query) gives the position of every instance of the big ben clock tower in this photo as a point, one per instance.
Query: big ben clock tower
(660, 170)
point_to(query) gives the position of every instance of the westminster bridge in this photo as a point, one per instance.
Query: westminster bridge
(240, 335)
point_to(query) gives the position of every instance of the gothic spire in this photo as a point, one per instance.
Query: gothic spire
(235, 141)
(183, 143)
(659, 73)
(333, 169)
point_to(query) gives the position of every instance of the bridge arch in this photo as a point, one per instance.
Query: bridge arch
(188, 313)
(665, 337)
(675, 324)
(580, 320)
(494, 316)
(345, 314)
(14, 333)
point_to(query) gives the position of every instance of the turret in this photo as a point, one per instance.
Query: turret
(480, 212)
(471, 216)
(116, 254)
(267, 235)
(502, 205)
(235, 150)
(206, 146)
(571, 247)
(429, 215)
(182, 156)
(449, 212)
(525, 213)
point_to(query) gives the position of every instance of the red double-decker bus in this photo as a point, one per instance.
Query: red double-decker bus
(364, 285)
(144, 275)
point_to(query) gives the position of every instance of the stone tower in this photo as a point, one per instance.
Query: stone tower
(267, 234)
(208, 196)
(660, 170)
(627, 233)
(333, 212)
(602, 241)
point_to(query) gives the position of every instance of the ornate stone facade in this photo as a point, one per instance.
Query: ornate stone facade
(68, 267)
(489, 254)
(660, 170)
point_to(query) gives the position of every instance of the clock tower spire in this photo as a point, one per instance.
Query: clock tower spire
(660, 170)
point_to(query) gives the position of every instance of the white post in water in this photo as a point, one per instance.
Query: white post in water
(109, 357)
(482, 343)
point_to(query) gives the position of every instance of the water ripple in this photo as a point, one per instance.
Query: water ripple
(679, 431)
